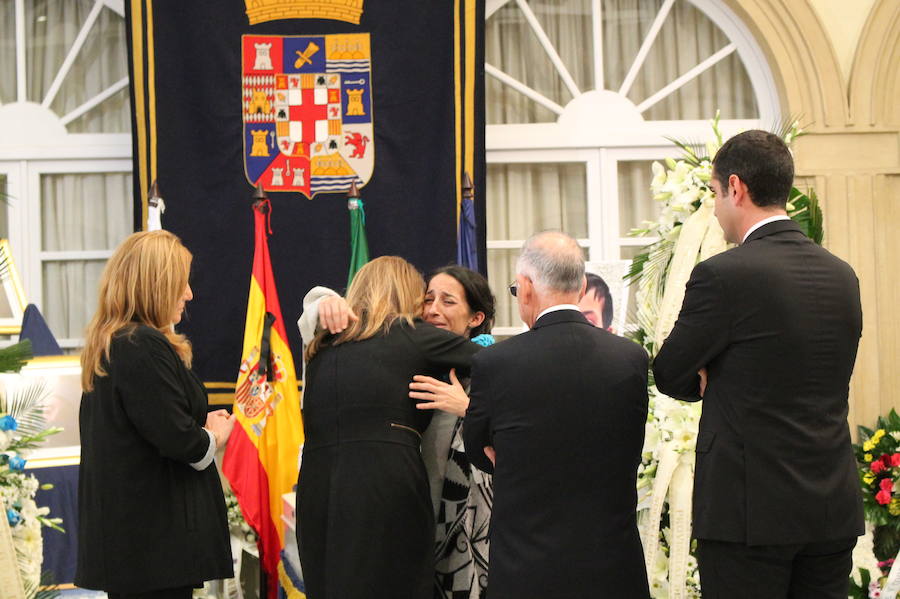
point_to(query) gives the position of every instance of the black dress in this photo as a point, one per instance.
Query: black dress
(146, 519)
(365, 519)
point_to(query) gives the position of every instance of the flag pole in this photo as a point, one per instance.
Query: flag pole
(468, 187)
(259, 195)
(359, 244)
(260, 459)
(466, 252)
(261, 203)
(155, 207)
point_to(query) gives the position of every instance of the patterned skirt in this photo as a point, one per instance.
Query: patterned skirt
(463, 521)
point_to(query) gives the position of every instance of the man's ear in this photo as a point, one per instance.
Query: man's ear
(741, 191)
(526, 290)
(583, 288)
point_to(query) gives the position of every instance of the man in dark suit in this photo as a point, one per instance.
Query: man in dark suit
(767, 336)
(562, 408)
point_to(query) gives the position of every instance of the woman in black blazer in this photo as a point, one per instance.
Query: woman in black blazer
(152, 519)
(366, 525)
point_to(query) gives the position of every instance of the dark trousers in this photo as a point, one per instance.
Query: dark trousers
(812, 570)
(177, 593)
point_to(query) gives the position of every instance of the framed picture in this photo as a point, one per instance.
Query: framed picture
(12, 300)
(612, 272)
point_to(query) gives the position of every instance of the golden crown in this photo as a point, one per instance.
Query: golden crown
(259, 11)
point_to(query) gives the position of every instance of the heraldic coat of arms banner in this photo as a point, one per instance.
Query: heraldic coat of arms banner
(307, 111)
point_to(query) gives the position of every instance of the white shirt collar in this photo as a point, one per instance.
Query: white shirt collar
(764, 221)
(558, 307)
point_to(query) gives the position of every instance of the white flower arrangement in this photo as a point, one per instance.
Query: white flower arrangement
(22, 428)
(236, 523)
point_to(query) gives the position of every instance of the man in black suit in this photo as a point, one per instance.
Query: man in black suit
(562, 408)
(767, 336)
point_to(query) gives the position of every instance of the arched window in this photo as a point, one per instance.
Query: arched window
(581, 98)
(65, 150)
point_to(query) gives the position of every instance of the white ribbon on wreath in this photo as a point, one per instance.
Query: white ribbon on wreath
(10, 580)
(892, 584)
(700, 237)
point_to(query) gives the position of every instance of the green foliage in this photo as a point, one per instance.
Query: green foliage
(48, 588)
(693, 151)
(886, 541)
(637, 265)
(14, 357)
(788, 128)
(861, 591)
(26, 406)
(805, 211)
(696, 152)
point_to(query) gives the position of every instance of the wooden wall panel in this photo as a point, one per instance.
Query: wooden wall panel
(886, 194)
(866, 383)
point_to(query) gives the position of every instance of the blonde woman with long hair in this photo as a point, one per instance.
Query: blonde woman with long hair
(152, 521)
(366, 524)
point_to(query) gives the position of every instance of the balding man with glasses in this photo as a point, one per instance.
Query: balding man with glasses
(557, 414)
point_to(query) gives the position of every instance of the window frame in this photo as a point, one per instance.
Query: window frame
(49, 149)
(602, 143)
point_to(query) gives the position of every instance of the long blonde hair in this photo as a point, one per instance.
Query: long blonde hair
(385, 290)
(142, 283)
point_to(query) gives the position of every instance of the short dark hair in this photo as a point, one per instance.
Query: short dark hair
(762, 161)
(597, 286)
(478, 294)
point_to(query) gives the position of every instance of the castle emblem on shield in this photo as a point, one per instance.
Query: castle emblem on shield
(307, 110)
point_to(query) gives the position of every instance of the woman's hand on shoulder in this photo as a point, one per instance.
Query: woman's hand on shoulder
(220, 423)
(335, 314)
(438, 395)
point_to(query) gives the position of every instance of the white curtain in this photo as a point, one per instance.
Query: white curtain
(528, 198)
(635, 203)
(79, 212)
(547, 196)
(7, 51)
(686, 38)
(512, 47)
(51, 27)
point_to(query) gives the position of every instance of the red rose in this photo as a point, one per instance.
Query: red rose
(883, 497)
(895, 460)
(886, 460)
(886, 484)
(877, 466)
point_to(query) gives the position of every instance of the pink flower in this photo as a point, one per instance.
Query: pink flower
(883, 497)
(877, 466)
(895, 460)
(874, 590)
(886, 484)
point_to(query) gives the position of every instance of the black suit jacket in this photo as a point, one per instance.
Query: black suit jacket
(146, 519)
(776, 321)
(564, 405)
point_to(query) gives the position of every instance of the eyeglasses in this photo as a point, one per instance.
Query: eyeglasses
(513, 288)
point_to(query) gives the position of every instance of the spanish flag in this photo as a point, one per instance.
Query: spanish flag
(261, 457)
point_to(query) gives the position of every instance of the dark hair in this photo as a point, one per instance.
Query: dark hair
(762, 161)
(597, 286)
(478, 294)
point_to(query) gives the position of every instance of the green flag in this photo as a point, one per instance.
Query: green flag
(359, 245)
